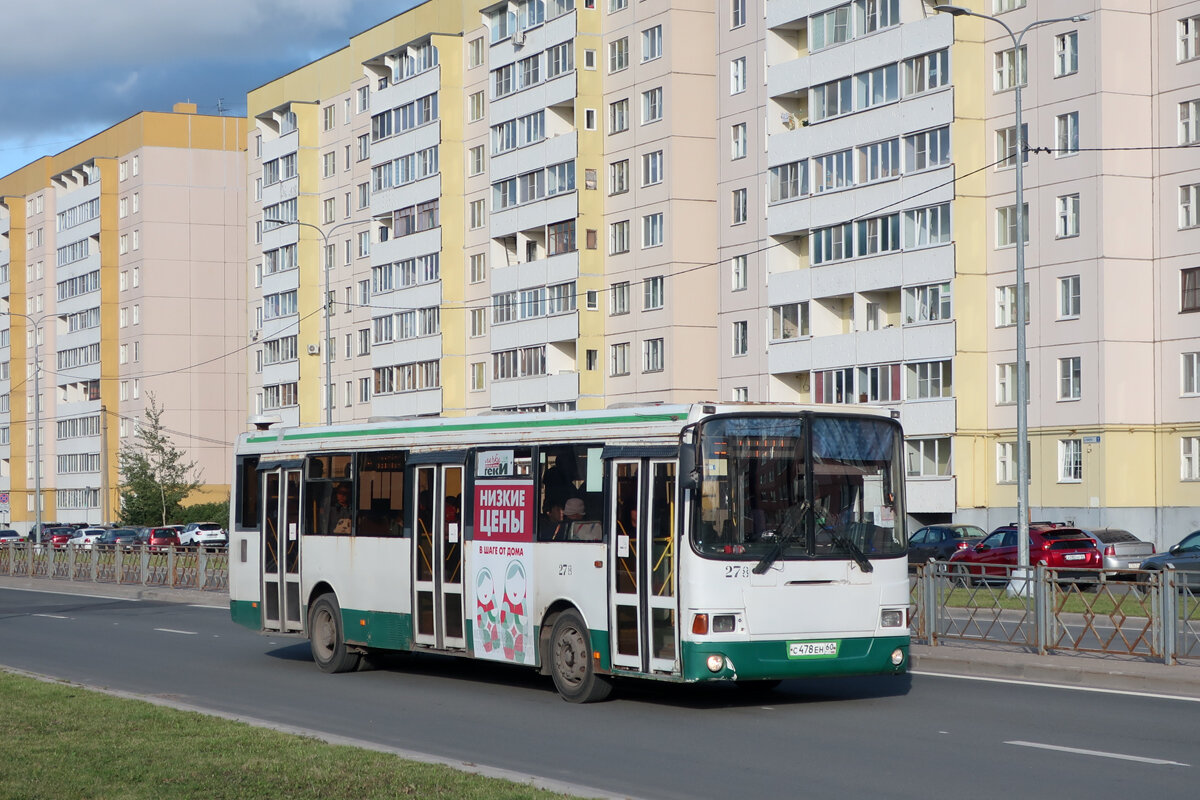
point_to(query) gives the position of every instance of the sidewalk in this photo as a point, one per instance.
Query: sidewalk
(971, 659)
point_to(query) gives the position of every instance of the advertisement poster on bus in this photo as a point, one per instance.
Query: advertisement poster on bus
(502, 571)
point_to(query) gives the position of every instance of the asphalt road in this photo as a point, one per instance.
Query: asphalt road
(921, 737)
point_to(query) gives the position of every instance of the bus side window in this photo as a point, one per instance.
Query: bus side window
(380, 502)
(570, 493)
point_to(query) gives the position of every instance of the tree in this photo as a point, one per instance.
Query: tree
(155, 478)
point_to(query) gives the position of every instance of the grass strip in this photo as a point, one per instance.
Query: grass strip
(65, 741)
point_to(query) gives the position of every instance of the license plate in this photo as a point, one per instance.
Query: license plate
(813, 649)
(1134, 564)
(1075, 556)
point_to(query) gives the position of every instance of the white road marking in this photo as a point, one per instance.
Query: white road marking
(51, 616)
(1099, 753)
(70, 594)
(172, 630)
(1095, 689)
(214, 608)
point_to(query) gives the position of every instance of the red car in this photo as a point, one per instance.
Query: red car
(1059, 548)
(58, 537)
(162, 538)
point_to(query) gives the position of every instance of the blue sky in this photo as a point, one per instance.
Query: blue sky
(71, 68)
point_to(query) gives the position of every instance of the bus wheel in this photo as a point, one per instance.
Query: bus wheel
(325, 636)
(571, 662)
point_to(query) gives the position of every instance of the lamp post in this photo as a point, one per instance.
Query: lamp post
(325, 268)
(1022, 310)
(37, 422)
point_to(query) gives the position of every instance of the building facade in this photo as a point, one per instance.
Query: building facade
(121, 279)
(556, 205)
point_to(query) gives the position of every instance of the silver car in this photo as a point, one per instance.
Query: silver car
(1121, 550)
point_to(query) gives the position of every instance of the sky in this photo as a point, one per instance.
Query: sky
(69, 70)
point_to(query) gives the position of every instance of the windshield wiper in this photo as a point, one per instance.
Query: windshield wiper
(787, 532)
(857, 554)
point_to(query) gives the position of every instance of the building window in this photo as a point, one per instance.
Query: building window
(478, 214)
(619, 299)
(1189, 38)
(1007, 145)
(739, 208)
(1189, 458)
(478, 322)
(789, 321)
(1006, 305)
(926, 72)
(652, 355)
(475, 52)
(1189, 206)
(560, 238)
(927, 303)
(830, 99)
(652, 230)
(1006, 463)
(741, 338)
(618, 54)
(928, 457)
(738, 267)
(478, 267)
(618, 359)
(1068, 216)
(618, 177)
(652, 105)
(1070, 460)
(475, 106)
(1189, 374)
(737, 13)
(1068, 378)
(618, 238)
(1006, 225)
(1066, 54)
(881, 160)
(652, 43)
(737, 141)
(618, 116)
(1010, 69)
(1189, 122)
(1068, 297)
(1190, 289)
(475, 160)
(477, 373)
(652, 168)
(1006, 383)
(329, 163)
(652, 293)
(925, 227)
(929, 380)
(1066, 134)
(737, 75)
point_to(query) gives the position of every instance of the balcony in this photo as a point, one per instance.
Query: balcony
(425, 402)
(931, 495)
(559, 388)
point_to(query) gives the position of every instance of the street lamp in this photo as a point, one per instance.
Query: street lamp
(326, 269)
(1022, 377)
(37, 422)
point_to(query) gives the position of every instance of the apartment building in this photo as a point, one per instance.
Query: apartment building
(121, 278)
(543, 205)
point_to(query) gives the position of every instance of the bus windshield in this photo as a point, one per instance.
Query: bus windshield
(799, 487)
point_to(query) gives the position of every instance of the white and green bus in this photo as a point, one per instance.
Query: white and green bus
(739, 542)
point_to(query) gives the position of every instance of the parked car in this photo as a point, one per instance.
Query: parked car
(941, 541)
(162, 538)
(206, 534)
(58, 537)
(1184, 556)
(1066, 550)
(1121, 550)
(10, 536)
(118, 536)
(84, 537)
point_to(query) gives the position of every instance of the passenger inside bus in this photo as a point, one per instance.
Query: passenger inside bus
(341, 516)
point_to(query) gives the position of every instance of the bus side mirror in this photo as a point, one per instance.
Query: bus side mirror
(689, 477)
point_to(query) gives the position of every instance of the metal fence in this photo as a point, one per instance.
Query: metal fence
(1152, 614)
(172, 568)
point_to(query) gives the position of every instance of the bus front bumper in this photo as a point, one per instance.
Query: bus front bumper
(795, 658)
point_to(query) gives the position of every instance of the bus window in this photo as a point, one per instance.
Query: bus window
(380, 505)
(329, 495)
(570, 493)
(246, 507)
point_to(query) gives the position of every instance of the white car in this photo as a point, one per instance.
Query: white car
(84, 537)
(203, 534)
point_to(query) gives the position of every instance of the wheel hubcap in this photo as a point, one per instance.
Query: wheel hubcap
(570, 658)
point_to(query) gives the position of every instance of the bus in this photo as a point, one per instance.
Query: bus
(732, 542)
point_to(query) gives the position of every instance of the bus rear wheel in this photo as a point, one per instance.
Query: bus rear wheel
(571, 662)
(325, 636)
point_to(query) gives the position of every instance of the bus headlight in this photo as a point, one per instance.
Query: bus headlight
(722, 623)
(716, 663)
(897, 657)
(891, 618)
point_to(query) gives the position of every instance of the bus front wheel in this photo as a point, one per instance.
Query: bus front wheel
(571, 662)
(325, 636)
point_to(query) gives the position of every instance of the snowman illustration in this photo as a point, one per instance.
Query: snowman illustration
(487, 628)
(513, 618)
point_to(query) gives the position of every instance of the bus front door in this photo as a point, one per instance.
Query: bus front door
(642, 541)
(437, 560)
(281, 550)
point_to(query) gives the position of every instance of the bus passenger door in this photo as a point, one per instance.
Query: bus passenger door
(281, 550)
(437, 561)
(642, 535)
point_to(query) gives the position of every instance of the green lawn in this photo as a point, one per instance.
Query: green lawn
(62, 741)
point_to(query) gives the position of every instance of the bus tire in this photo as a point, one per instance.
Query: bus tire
(571, 661)
(326, 639)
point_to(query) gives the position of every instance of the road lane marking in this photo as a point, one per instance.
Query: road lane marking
(1098, 690)
(214, 608)
(172, 630)
(51, 616)
(1099, 753)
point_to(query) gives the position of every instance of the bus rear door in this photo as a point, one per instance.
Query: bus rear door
(280, 528)
(437, 557)
(642, 533)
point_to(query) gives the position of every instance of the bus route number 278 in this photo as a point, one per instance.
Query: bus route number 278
(737, 571)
